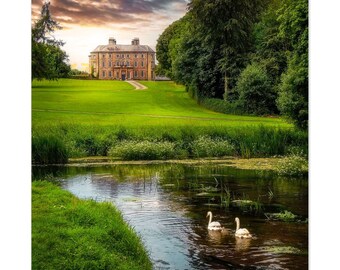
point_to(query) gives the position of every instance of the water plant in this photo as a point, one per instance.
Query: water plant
(285, 216)
(293, 165)
(284, 250)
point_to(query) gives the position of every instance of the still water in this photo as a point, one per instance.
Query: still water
(167, 206)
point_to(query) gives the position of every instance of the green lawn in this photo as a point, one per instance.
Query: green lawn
(77, 118)
(68, 101)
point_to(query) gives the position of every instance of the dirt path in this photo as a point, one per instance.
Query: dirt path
(137, 85)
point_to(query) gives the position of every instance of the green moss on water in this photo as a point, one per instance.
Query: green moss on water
(285, 250)
(69, 233)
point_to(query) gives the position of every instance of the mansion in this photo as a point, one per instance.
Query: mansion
(122, 62)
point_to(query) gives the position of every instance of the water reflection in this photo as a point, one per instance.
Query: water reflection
(167, 206)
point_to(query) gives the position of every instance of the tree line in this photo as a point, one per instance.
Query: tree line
(250, 56)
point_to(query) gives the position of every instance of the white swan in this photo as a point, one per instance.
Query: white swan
(214, 226)
(241, 233)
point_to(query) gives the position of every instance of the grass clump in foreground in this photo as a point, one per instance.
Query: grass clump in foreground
(69, 233)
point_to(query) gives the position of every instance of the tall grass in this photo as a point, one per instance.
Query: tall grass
(48, 149)
(54, 143)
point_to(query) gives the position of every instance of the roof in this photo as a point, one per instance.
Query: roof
(122, 48)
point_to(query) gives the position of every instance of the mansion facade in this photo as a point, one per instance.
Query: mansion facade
(122, 62)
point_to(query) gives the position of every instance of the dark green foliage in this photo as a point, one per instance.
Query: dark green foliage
(256, 94)
(223, 106)
(210, 50)
(48, 149)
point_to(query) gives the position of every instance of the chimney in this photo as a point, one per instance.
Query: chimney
(112, 41)
(135, 41)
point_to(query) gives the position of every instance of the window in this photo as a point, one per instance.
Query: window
(103, 64)
(136, 55)
(142, 63)
(128, 63)
(128, 56)
(136, 73)
(117, 55)
(136, 63)
(122, 55)
(117, 63)
(104, 73)
(110, 64)
(142, 75)
(142, 55)
(110, 74)
(109, 55)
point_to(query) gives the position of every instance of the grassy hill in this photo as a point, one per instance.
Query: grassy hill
(116, 102)
(77, 118)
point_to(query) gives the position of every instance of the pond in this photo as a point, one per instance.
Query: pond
(167, 205)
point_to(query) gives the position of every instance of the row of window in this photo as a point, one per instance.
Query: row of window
(123, 63)
(110, 73)
(121, 55)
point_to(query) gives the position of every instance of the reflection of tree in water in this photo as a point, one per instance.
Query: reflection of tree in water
(242, 244)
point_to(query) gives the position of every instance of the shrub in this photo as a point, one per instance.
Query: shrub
(143, 150)
(255, 91)
(207, 147)
(293, 165)
(222, 106)
(48, 149)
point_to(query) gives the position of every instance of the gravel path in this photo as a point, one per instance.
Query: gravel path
(137, 85)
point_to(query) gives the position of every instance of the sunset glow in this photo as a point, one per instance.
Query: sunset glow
(87, 24)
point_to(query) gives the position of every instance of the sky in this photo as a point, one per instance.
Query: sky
(87, 24)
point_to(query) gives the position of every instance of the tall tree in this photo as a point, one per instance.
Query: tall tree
(293, 90)
(48, 60)
(226, 25)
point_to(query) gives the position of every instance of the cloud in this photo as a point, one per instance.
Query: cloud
(105, 13)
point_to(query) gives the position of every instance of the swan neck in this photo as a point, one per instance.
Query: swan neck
(237, 224)
(210, 218)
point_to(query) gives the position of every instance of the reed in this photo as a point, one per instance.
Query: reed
(48, 149)
(92, 140)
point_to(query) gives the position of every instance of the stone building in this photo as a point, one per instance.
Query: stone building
(122, 62)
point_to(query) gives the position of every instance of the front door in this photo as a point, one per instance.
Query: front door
(123, 76)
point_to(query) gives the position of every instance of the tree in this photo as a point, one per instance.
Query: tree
(256, 95)
(172, 32)
(225, 26)
(293, 90)
(48, 60)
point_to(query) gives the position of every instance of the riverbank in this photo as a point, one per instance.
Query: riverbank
(291, 165)
(69, 233)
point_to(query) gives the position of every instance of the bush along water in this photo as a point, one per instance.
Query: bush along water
(144, 150)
